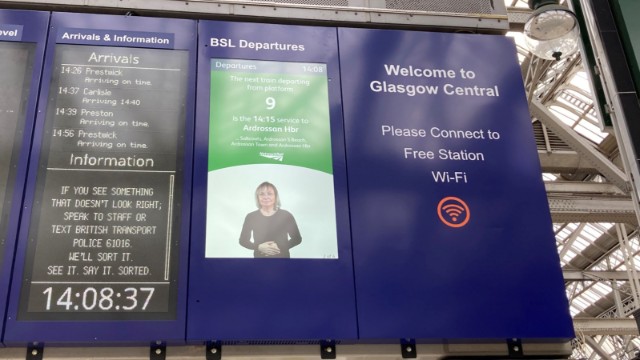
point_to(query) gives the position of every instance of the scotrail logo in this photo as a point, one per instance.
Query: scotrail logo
(273, 156)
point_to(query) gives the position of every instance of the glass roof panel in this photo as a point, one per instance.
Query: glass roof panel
(580, 244)
(564, 115)
(602, 288)
(580, 80)
(574, 311)
(569, 255)
(580, 303)
(590, 297)
(594, 231)
(600, 266)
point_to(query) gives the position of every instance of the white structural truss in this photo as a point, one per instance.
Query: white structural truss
(592, 203)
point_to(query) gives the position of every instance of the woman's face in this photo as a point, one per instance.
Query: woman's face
(267, 197)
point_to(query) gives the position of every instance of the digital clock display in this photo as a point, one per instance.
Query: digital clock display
(104, 230)
(102, 298)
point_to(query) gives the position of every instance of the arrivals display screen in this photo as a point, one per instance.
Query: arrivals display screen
(102, 236)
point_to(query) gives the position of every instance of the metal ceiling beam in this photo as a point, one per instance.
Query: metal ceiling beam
(580, 145)
(626, 308)
(597, 348)
(574, 187)
(602, 340)
(517, 18)
(578, 275)
(573, 64)
(606, 326)
(597, 251)
(568, 243)
(592, 209)
(356, 12)
(564, 162)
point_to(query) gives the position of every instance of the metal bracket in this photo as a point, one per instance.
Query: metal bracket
(214, 350)
(328, 349)
(515, 348)
(408, 348)
(35, 351)
(158, 350)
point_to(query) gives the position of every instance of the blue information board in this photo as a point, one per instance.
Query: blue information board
(271, 253)
(451, 229)
(441, 232)
(22, 43)
(103, 245)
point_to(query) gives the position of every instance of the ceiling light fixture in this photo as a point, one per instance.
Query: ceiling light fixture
(552, 31)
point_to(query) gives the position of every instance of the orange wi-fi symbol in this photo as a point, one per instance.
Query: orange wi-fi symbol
(453, 212)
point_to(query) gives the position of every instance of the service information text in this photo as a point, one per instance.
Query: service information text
(104, 233)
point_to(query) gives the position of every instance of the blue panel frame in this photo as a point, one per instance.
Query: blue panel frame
(290, 299)
(33, 26)
(112, 331)
(416, 276)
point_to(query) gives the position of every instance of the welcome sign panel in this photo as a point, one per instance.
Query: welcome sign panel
(449, 216)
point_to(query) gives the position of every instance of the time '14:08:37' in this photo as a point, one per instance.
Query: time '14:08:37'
(98, 299)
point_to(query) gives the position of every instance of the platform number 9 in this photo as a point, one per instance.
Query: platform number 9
(271, 103)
